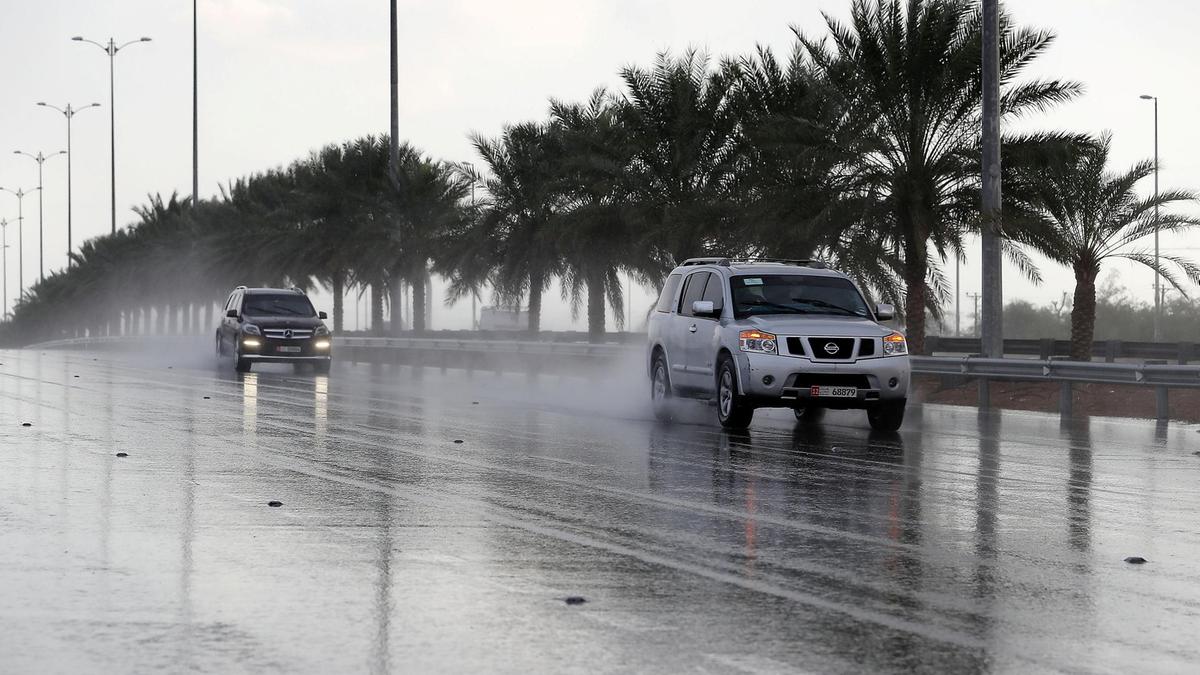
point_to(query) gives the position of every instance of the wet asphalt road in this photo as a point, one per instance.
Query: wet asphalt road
(961, 544)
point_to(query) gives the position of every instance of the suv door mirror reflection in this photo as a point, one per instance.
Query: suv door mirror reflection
(232, 314)
(703, 308)
(885, 312)
(322, 315)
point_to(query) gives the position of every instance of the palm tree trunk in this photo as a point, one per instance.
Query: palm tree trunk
(916, 268)
(1083, 313)
(417, 284)
(535, 303)
(339, 299)
(396, 293)
(377, 291)
(595, 307)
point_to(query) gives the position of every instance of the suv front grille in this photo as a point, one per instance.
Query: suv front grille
(282, 333)
(831, 349)
(866, 347)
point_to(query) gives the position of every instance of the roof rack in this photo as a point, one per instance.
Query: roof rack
(239, 288)
(814, 263)
(726, 262)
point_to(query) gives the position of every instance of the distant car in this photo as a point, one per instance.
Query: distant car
(753, 333)
(273, 325)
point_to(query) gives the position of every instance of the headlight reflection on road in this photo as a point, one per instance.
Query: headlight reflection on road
(321, 406)
(250, 406)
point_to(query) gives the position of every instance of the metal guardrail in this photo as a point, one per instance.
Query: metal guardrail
(1109, 350)
(497, 354)
(1059, 370)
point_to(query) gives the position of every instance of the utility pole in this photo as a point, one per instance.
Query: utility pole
(20, 194)
(195, 110)
(1157, 276)
(69, 113)
(992, 342)
(976, 297)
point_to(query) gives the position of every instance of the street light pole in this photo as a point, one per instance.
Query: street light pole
(69, 113)
(1157, 276)
(195, 111)
(20, 193)
(4, 248)
(111, 49)
(40, 159)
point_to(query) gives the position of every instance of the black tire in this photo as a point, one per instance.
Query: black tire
(733, 412)
(220, 347)
(240, 364)
(810, 414)
(887, 416)
(660, 388)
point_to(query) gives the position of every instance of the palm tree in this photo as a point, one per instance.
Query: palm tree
(1096, 215)
(596, 230)
(682, 126)
(518, 219)
(909, 75)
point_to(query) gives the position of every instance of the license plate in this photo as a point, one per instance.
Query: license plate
(834, 392)
(288, 350)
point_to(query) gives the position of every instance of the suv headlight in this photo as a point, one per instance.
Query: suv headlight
(250, 329)
(895, 345)
(757, 341)
(321, 331)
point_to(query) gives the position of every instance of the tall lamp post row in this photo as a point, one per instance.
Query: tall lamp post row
(69, 112)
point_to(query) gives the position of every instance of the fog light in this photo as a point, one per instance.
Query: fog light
(321, 344)
(893, 382)
(250, 343)
(768, 380)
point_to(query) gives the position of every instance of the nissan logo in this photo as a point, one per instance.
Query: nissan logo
(831, 348)
(287, 334)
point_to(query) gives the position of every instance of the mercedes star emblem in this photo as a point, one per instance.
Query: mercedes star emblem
(288, 334)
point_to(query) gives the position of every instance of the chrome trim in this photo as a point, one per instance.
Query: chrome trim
(283, 333)
(263, 357)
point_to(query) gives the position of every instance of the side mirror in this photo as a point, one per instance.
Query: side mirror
(322, 315)
(232, 314)
(885, 312)
(704, 308)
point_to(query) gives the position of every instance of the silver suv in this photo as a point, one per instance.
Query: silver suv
(774, 333)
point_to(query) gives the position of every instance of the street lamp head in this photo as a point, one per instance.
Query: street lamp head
(78, 38)
(42, 103)
(145, 39)
(1147, 97)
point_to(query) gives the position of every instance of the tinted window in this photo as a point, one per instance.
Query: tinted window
(693, 291)
(713, 291)
(668, 293)
(795, 294)
(282, 304)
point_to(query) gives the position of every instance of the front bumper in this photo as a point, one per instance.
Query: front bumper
(790, 379)
(267, 349)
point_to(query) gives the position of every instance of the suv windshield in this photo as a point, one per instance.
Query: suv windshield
(282, 304)
(795, 294)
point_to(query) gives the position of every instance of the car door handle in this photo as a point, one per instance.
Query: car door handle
(693, 328)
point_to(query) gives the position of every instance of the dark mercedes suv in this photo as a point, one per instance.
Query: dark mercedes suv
(273, 325)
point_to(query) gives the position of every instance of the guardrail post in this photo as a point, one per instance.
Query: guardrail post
(985, 394)
(1186, 351)
(1066, 399)
(1162, 403)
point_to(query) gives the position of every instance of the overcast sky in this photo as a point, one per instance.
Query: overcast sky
(280, 78)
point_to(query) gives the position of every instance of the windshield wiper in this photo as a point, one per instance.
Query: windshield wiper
(786, 308)
(826, 305)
